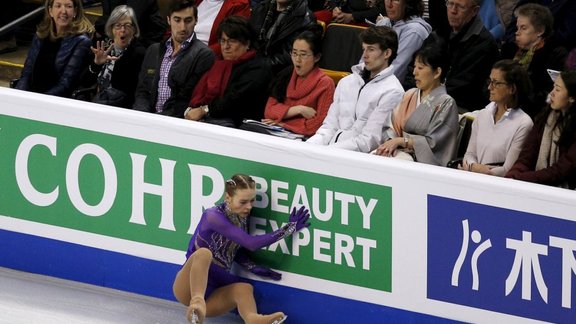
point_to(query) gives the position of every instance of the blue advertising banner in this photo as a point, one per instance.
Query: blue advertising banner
(501, 260)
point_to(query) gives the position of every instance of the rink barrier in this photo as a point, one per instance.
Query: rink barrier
(111, 196)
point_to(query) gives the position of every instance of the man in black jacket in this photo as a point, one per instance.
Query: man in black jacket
(172, 69)
(472, 51)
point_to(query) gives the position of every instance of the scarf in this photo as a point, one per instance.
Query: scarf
(404, 110)
(214, 82)
(106, 73)
(524, 57)
(549, 152)
(299, 88)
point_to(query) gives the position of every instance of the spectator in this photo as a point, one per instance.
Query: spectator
(114, 70)
(363, 99)
(301, 104)
(499, 130)
(171, 69)
(60, 50)
(205, 283)
(406, 20)
(472, 52)
(234, 88)
(424, 126)
(536, 51)
(277, 23)
(213, 12)
(549, 152)
(564, 12)
(152, 24)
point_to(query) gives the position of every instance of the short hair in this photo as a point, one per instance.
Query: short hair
(384, 36)
(516, 75)
(435, 56)
(238, 182)
(119, 13)
(540, 17)
(238, 28)
(177, 5)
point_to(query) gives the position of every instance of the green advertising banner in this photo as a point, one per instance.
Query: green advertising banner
(154, 193)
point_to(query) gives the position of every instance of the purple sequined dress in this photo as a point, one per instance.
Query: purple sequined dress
(225, 234)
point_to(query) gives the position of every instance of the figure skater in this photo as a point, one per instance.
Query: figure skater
(205, 282)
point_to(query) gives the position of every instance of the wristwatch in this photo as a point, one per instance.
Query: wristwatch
(405, 142)
(206, 109)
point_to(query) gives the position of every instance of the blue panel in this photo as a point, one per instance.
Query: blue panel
(519, 262)
(119, 271)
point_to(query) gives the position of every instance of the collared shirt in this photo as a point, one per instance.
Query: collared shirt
(164, 91)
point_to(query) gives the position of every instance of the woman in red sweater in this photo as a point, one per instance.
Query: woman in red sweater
(301, 94)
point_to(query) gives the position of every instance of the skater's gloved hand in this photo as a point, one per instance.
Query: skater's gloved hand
(266, 272)
(300, 217)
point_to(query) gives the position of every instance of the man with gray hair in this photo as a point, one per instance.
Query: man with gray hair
(472, 51)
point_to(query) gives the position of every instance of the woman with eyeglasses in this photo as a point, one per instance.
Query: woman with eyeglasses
(60, 50)
(302, 94)
(549, 152)
(236, 86)
(205, 283)
(114, 70)
(500, 129)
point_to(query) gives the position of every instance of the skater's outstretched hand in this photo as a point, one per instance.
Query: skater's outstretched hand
(266, 272)
(300, 217)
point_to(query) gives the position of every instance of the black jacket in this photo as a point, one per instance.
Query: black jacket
(245, 95)
(277, 49)
(188, 67)
(125, 73)
(472, 52)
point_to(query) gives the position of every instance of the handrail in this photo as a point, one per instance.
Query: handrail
(19, 21)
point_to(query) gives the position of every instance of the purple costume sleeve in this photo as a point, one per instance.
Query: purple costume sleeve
(218, 222)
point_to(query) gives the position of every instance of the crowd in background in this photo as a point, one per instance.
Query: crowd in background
(509, 65)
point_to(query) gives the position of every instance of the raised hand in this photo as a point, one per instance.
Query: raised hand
(300, 217)
(101, 53)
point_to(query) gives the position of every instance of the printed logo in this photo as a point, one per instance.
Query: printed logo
(501, 260)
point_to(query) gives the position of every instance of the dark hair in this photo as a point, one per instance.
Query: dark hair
(540, 17)
(312, 39)
(567, 124)
(385, 37)
(177, 5)
(238, 28)
(413, 8)
(516, 75)
(238, 182)
(436, 57)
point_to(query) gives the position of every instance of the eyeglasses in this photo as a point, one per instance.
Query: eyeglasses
(458, 7)
(229, 41)
(125, 26)
(301, 56)
(495, 83)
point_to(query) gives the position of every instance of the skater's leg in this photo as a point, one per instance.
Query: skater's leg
(238, 295)
(190, 283)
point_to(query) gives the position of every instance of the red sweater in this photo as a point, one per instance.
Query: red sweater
(315, 91)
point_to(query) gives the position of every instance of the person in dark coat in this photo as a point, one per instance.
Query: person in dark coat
(472, 51)
(234, 88)
(171, 69)
(277, 23)
(60, 50)
(114, 70)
